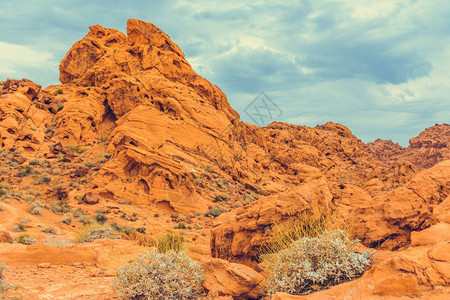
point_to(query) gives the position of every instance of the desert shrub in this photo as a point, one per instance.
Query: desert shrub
(180, 225)
(116, 226)
(35, 209)
(25, 171)
(248, 198)
(25, 239)
(34, 162)
(55, 242)
(73, 184)
(238, 204)
(51, 230)
(88, 164)
(221, 197)
(216, 211)
(43, 179)
(141, 230)
(67, 220)
(101, 218)
(300, 226)
(326, 259)
(59, 207)
(127, 230)
(58, 92)
(77, 213)
(170, 242)
(86, 220)
(18, 228)
(94, 232)
(171, 275)
(2, 208)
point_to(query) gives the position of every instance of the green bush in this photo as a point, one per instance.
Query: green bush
(324, 260)
(171, 275)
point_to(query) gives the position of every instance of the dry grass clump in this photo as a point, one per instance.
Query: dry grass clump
(170, 242)
(25, 239)
(311, 251)
(93, 232)
(171, 275)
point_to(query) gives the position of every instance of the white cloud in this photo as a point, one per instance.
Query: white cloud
(18, 60)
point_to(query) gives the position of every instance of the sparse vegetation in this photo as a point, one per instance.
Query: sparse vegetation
(67, 220)
(311, 250)
(94, 232)
(170, 242)
(101, 218)
(59, 207)
(43, 179)
(51, 230)
(58, 92)
(153, 275)
(19, 227)
(324, 260)
(216, 211)
(222, 197)
(55, 242)
(25, 239)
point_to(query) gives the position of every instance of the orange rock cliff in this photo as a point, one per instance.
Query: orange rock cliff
(133, 133)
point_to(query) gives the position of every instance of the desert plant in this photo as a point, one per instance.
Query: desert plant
(18, 228)
(51, 230)
(77, 213)
(58, 92)
(323, 260)
(35, 208)
(86, 220)
(25, 239)
(43, 179)
(94, 232)
(153, 275)
(2, 208)
(222, 197)
(101, 218)
(55, 242)
(302, 225)
(141, 230)
(127, 230)
(59, 207)
(67, 220)
(170, 242)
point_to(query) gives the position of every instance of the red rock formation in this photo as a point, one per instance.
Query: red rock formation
(427, 149)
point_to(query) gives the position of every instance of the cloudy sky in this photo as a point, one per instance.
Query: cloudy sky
(380, 67)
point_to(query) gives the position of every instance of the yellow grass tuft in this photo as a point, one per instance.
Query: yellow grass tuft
(303, 225)
(170, 241)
